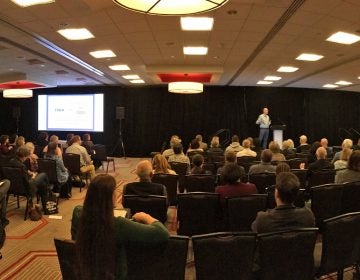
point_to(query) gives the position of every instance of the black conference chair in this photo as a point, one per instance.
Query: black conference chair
(277, 249)
(72, 163)
(198, 213)
(246, 162)
(100, 155)
(301, 174)
(66, 253)
(181, 169)
(350, 198)
(166, 262)
(340, 244)
(200, 183)
(225, 255)
(154, 205)
(321, 177)
(262, 180)
(170, 181)
(296, 162)
(215, 157)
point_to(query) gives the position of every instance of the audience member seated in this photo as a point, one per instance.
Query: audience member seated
(282, 167)
(265, 164)
(324, 143)
(194, 146)
(347, 143)
(197, 169)
(285, 216)
(276, 152)
(32, 157)
(230, 158)
(356, 147)
(231, 178)
(42, 139)
(86, 165)
(235, 145)
(178, 155)
(102, 239)
(161, 165)
(144, 187)
(20, 141)
(38, 182)
(304, 147)
(173, 141)
(246, 152)
(288, 151)
(321, 162)
(69, 136)
(88, 144)
(5, 147)
(312, 152)
(62, 173)
(203, 145)
(54, 139)
(352, 173)
(4, 188)
(215, 146)
(342, 163)
(257, 147)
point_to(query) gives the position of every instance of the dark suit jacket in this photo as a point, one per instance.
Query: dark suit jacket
(15, 162)
(303, 148)
(144, 188)
(320, 164)
(283, 218)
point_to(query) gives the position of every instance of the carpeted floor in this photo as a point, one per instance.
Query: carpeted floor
(29, 251)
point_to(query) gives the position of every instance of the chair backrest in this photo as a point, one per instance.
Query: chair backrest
(299, 200)
(262, 180)
(18, 185)
(227, 255)
(170, 181)
(181, 168)
(301, 174)
(154, 205)
(48, 166)
(340, 243)
(200, 183)
(215, 157)
(295, 162)
(163, 262)
(241, 211)
(209, 166)
(66, 253)
(326, 201)
(72, 163)
(246, 162)
(100, 152)
(193, 153)
(321, 177)
(198, 213)
(280, 249)
(350, 198)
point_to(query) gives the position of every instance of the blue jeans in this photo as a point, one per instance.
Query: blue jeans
(263, 137)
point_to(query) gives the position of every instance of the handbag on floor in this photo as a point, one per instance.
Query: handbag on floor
(35, 213)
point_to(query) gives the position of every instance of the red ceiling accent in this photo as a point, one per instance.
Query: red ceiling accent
(20, 84)
(185, 77)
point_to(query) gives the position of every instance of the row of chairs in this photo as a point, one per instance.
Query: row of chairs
(285, 255)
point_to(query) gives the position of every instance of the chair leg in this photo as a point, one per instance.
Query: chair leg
(26, 208)
(113, 164)
(18, 201)
(340, 274)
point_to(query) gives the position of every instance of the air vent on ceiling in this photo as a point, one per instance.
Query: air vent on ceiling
(61, 72)
(35, 61)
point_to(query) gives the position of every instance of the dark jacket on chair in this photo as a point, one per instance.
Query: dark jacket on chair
(144, 188)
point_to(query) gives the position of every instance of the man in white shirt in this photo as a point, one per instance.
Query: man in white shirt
(264, 122)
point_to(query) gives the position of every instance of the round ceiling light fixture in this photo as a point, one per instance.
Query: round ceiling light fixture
(17, 93)
(186, 87)
(171, 7)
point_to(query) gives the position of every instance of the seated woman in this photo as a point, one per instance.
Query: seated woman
(195, 146)
(101, 239)
(287, 150)
(342, 163)
(352, 173)
(62, 173)
(197, 168)
(276, 153)
(215, 146)
(54, 139)
(160, 165)
(32, 157)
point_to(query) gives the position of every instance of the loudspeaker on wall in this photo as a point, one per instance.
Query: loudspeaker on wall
(120, 113)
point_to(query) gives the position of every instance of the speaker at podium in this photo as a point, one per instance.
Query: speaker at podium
(278, 133)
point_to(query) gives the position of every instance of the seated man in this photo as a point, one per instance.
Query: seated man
(321, 162)
(197, 169)
(4, 188)
(203, 145)
(304, 147)
(178, 155)
(86, 165)
(173, 141)
(88, 144)
(235, 145)
(265, 165)
(144, 187)
(285, 216)
(247, 152)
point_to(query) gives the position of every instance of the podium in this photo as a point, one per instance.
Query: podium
(278, 131)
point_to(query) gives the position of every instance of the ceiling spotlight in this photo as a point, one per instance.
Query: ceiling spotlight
(119, 67)
(330, 86)
(76, 33)
(343, 38)
(103, 54)
(195, 50)
(196, 23)
(138, 81)
(131, 77)
(28, 3)
(287, 69)
(264, 83)
(309, 57)
(272, 78)
(343, 83)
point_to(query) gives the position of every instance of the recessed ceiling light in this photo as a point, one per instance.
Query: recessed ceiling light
(343, 83)
(343, 38)
(76, 33)
(196, 23)
(264, 83)
(330, 86)
(195, 50)
(309, 57)
(131, 77)
(139, 81)
(287, 69)
(272, 78)
(27, 3)
(119, 67)
(103, 54)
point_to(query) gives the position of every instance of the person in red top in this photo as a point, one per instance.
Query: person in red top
(231, 174)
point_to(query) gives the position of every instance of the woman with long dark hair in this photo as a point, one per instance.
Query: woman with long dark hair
(101, 238)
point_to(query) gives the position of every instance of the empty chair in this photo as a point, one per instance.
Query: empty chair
(66, 253)
(200, 183)
(101, 156)
(48, 166)
(170, 181)
(246, 162)
(166, 263)
(350, 198)
(198, 213)
(321, 177)
(326, 201)
(226, 255)
(153, 205)
(181, 169)
(287, 255)
(241, 211)
(301, 174)
(72, 163)
(340, 244)
(262, 180)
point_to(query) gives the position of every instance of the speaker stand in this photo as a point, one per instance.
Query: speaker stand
(119, 142)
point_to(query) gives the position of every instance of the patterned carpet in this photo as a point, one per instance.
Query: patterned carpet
(29, 251)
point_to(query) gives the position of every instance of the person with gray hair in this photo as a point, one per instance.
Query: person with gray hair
(203, 145)
(304, 147)
(347, 143)
(321, 162)
(265, 165)
(173, 141)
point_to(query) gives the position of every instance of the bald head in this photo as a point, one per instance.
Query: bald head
(321, 153)
(144, 170)
(324, 142)
(303, 139)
